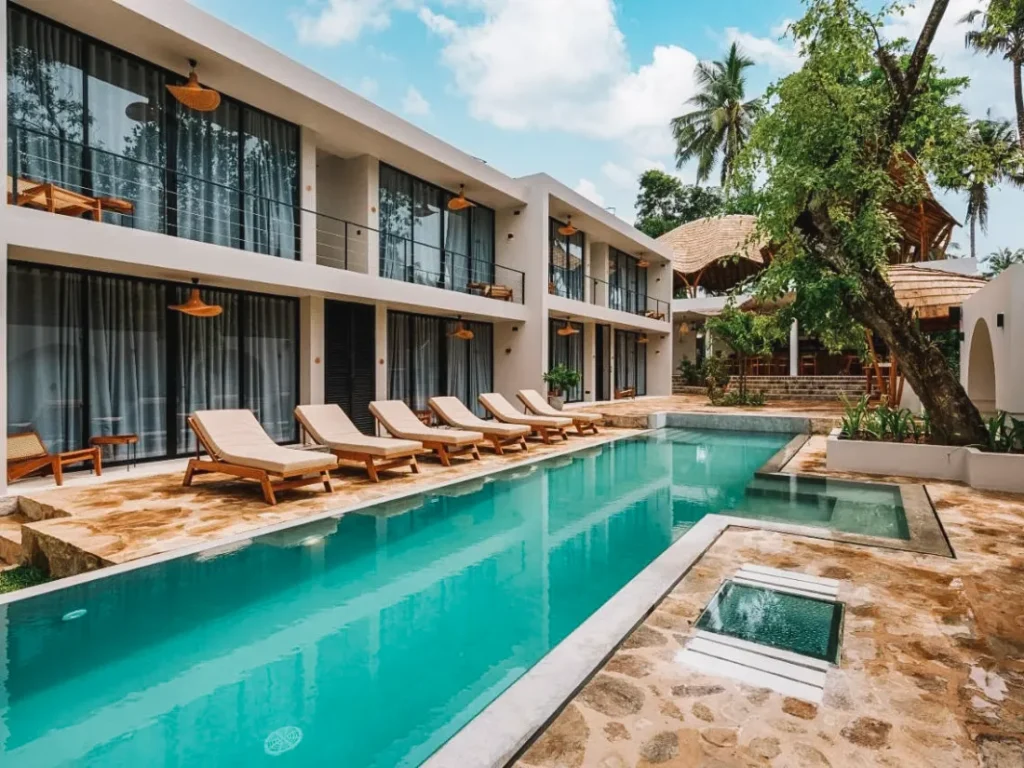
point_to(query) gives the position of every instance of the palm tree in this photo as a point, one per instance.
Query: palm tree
(1004, 258)
(721, 120)
(1002, 31)
(995, 158)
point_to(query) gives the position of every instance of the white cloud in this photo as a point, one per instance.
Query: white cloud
(414, 103)
(521, 66)
(332, 22)
(588, 189)
(623, 176)
(368, 87)
(777, 54)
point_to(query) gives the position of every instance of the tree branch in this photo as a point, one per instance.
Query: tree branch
(924, 44)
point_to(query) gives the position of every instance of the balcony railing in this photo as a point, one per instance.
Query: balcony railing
(567, 283)
(66, 177)
(605, 294)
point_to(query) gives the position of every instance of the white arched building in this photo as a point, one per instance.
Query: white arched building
(992, 353)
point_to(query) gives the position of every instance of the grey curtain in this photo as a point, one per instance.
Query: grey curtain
(208, 201)
(395, 223)
(457, 266)
(127, 155)
(45, 102)
(271, 337)
(630, 362)
(127, 361)
(208, 361)
(482, 249)
(568, 351)
(44, 355)
(426, 234)
(271, 170)
(479, 367)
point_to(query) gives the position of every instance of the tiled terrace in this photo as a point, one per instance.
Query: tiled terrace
(931, 673)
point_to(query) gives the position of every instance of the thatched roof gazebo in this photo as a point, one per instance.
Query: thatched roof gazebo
(716, 254)
(932, 293)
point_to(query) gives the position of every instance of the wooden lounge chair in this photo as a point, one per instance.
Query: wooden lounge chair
(237, 445)
(329, 425)
(535, 403)
(626, 393)
(27, 454)
(542, 426)
(401, 422)
(453, 411)
(492, 291)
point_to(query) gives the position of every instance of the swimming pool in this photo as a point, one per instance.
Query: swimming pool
(367, 640)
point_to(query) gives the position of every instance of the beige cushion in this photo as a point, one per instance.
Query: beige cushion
(502, 409)
(237, 438)
(329, 425)
(535, 403)
(402, 422)
(454, 412)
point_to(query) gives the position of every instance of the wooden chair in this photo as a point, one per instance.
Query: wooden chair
(543, 426)
(454, 412)
(492, 291)
(626, 393)
(808, 365)
(27, 454)
(535, 403)
(399, 420)
(237, 445)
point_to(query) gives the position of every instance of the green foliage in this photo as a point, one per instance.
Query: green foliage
(750, 399)
(949, 343)
(884, 422)
(562, 378)
(21, 577)
(720, 122)
(999, 29)
(712, 368)
(690, 372)
(1004, 437)
(750, 334)
(1001, 260)
(664, 202)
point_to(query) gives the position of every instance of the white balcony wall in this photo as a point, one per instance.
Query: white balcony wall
(347, 199)
(599, 272)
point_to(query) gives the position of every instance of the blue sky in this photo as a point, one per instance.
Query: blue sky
(580, 89)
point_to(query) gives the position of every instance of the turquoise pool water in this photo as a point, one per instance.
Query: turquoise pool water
(364, 641)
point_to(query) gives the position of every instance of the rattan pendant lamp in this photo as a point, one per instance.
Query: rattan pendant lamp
(192, 94)
(568, 329)
(461, 332)
(460, 203)
(195, 306)
(568, 230)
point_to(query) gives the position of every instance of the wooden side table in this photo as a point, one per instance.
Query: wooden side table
(130, 443)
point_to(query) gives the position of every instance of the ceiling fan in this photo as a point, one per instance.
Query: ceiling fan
(568, 229)
(460, 203)
(461, 332)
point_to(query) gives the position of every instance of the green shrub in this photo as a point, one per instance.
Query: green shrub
(562, 378)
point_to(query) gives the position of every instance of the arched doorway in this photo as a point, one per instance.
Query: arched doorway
(981, 369)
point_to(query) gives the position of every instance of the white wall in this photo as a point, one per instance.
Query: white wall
(1004, 295)
(348, 195)
(311, 350)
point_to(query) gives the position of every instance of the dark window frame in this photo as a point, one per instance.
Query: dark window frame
(626, 268)
(171, 348)
(169, 117)
(576, 288)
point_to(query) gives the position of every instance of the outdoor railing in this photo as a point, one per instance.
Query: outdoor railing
(567, 283)
(66, 177)
(605, 294)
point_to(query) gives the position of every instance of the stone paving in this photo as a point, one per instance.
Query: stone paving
(931, 674)
(633, 413)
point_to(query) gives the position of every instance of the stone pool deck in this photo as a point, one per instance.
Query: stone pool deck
(931, 673)
(77, 529)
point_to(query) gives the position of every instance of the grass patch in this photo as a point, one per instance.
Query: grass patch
(20, 577)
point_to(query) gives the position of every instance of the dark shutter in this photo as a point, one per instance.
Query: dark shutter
(349, 370)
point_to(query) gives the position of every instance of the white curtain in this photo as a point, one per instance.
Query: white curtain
(208, 207)
(271, 338)
(270, 176)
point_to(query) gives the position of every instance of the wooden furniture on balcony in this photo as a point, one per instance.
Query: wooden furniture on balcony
(47, 196)
(654, 315)
(492, 291)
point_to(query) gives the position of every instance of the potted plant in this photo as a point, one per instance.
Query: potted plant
(560, 379)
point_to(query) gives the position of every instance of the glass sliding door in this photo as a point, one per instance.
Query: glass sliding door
(127, 326)
(566, 262)
(271, 168)
(482, 245)
(425, 360)
(567, 351)
(271, 333)
(45, 351)
(630, 362)
(427, 234)
(127, 155)
(45, 102)
(457, 265)
(395, 223)
(628, 283)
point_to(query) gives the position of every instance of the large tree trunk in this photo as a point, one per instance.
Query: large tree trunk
(1018, 97)
(954, 417)
(974, 237)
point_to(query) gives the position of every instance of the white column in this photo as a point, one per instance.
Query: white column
(307, 196)
(381, 361)
(311, 350)
(794, 349)
(590, 372)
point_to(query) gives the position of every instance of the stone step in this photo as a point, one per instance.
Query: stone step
(10, 538)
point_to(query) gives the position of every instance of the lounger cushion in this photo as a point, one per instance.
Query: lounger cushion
(534, 402)
(237, 438)
(402, 422)
(502, 409)
(329, 425)
(454, 412)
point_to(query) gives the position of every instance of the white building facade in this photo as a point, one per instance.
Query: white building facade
(319, 222)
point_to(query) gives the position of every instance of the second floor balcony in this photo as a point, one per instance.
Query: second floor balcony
(68, 178)
(574, 283)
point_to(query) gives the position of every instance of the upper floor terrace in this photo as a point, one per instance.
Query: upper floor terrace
(94, 133)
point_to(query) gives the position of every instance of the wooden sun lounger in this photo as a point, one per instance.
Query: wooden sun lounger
(453, 411)
(26, 454)
(399, 420)
(542, 426)
(534, 402)
(237, 445)
(329, 425)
